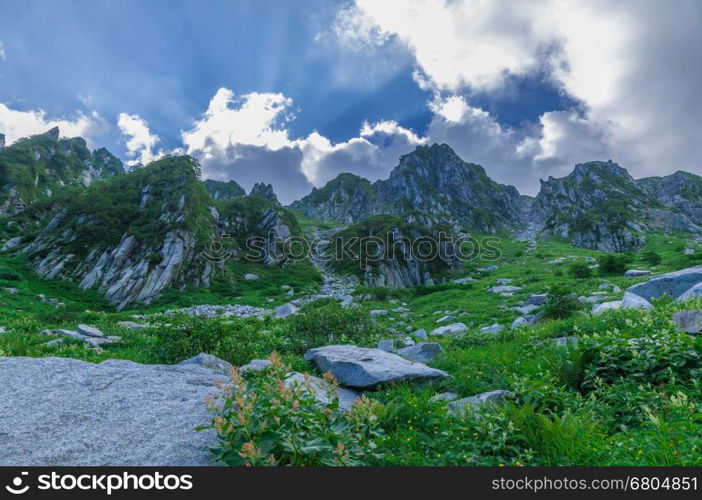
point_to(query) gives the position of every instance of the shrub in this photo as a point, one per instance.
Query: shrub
(264, 421)
(236, 341)
(322, 322)
(661, 358)
(579, 270)
(560, 302)
(612, 264)
(652, 258)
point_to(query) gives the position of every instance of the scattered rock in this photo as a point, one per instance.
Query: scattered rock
(463, 281)
(504, 281)
(633, 301)
(689, 321)
(11, 243)
(487, 269)
(444, 396)
(503, 289)
(132, 325)
(255, 365)
(422, 353)
(555, 261)
(251, 276)
(444, 319)
(495, 328)
(536, 299)
(90, 331)
(285, 310)
(387, 345)
(473, 403)
(452, 329)
(520, 322)
(636, 273)
(365, 368)
(376, 313)
(210, 362)
(606, 306)
(54, 343)
(420, 334)
(322, 390)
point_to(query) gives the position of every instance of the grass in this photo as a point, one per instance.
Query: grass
(641, 409)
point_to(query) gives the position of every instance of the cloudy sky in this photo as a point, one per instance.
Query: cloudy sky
(293, 92)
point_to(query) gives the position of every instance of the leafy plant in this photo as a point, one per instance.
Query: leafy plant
(560, 302)
(652, 258)
(612, 264)
(266, 421)
(579, 270)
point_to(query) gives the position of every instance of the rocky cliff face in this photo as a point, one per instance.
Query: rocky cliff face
(42, 166)
(264, 191)
(432, 180)
(600, 206)
(148, 231)
(224, 191)
(681, 191)
(394, 252)
(346, 199)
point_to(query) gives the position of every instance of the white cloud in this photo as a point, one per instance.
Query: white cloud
(245, 138)
(140, 141)
(633, 66)
(252, 119)
(3, 56)
(17, 124)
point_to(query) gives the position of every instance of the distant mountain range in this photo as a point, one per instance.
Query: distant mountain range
(79, 216)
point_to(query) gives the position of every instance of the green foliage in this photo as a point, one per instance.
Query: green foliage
(264, 421)
(612, 264)
(322, 322)
(561, 302)
(579, 270)
(236, 341)
(658, 358)
(652, 258)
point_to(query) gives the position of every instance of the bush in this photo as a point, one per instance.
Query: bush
(652, 258)
(235, 341)
(560, 303)
(265, 422)
(322, 322)
(579, 270)
(661, 358)
(612, 264)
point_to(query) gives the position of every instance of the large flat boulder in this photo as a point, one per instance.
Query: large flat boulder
(364, 368)
(62, 411)
(675, 284)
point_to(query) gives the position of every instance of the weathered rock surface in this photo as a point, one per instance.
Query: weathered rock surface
(322, 390)
(422, 353)
(452, 329)
(689, 321)
(364, 368)
(680, 285)
(473, 403)
(60, 411)
(210, 362)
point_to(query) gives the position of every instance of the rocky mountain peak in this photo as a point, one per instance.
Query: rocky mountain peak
(265, 191)
(53, 133)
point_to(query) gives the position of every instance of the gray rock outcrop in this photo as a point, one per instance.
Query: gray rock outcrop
(60, 411)
(364, 368)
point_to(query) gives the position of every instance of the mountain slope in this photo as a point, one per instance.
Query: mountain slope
(136, 235)
(38, 167)
(224, 190)
(432, 180)
(600, 206)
